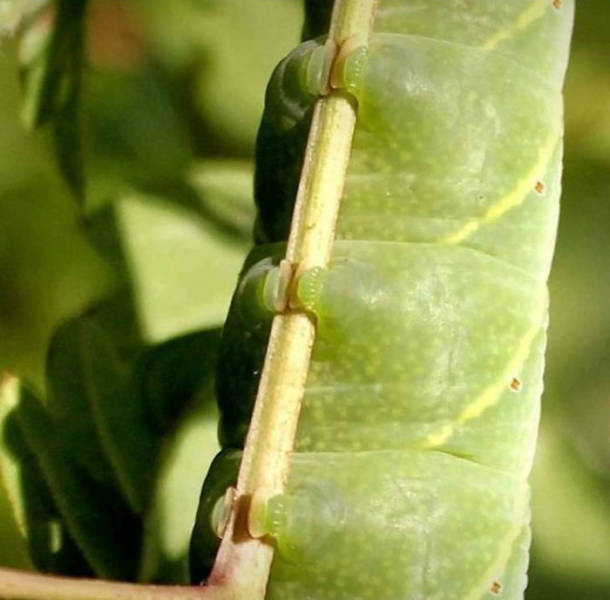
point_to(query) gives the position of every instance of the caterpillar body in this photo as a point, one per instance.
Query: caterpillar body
(418, 427)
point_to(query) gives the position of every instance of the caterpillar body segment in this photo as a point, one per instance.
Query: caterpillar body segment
(419, 421)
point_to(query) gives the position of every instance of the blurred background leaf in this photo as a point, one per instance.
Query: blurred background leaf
(132, 290)
(172, 96)
(571, 479)
(51, 59)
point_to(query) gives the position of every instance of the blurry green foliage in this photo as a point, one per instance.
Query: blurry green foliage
(51, 60)
(142, 276)
(133, 286)
(571, 479)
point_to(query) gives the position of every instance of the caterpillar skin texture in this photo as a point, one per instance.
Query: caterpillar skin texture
(417, 433)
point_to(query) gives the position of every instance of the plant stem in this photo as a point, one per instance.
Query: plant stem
(243, 562)
(21, 585)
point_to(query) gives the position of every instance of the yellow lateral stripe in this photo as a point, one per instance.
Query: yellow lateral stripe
(516, 196)
(532, 13)
(492, 394)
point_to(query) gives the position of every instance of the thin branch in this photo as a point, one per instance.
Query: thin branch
(20, 585)
(242, 562)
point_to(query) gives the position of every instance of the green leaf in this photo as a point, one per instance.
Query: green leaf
(182, 270)
(69, 388)
(227, 48)
(105, 530)
(114, 412)
(51, 71)
(176, 383)
(94, 403)
(12, 500)
(169, 523)
(43, 538)
(136, 135)
(225, 192)
(170, 374)
(14, 12)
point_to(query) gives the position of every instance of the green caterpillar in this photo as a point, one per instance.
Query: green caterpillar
(417, 433)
